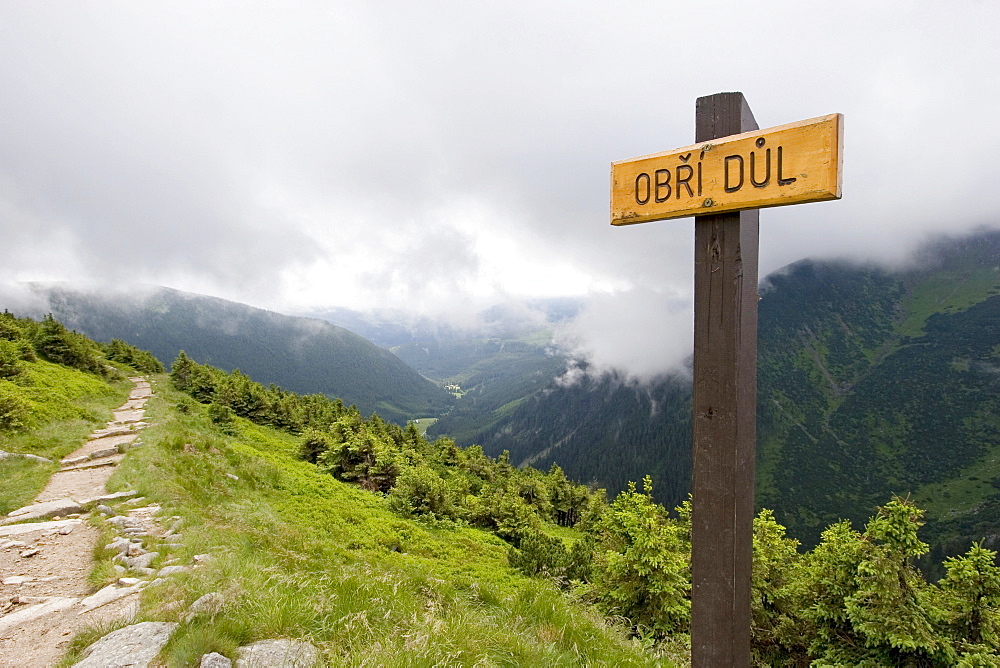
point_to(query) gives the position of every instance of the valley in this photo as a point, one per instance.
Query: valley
(872, 383)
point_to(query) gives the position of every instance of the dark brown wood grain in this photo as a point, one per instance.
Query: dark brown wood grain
(724, 405)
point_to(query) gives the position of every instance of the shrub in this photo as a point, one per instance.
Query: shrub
(970, 593)
(363, 455)
(10, 359)
(9, 331)
(642, 568)
(419, 490)
(314, 444)
(15, 410)
(140, 360)
(62, 346)
(221, 415)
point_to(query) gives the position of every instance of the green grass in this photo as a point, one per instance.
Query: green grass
(424, 424)
(298, 554)
(511, 406)
(965, 491)
(66, 405)
(947, 292)
(568, 535)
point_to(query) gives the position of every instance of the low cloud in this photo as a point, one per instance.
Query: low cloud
(640, 333)
(21, 300)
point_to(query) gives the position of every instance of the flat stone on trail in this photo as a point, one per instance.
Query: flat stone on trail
(104, 452)
(111, 433)
(129, 415)
(54, 604)
(134, 646)
(116, 495)
(269, 653)
(109, 593)
(54, 525)
(37, 511)
(109, 461)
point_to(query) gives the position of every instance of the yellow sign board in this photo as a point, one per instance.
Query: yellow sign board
(789, 164)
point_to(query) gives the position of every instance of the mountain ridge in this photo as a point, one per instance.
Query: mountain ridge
(301, 354)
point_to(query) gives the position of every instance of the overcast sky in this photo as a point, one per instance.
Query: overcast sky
(440, 156)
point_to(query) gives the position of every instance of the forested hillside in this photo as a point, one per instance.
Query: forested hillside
(300, 354)
(601, 430)
(875, 384)
(871, 383)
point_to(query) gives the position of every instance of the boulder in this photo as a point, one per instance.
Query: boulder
(141, 561)
(270, 653)
(37, 511)
(135, 646)
(7, 455)
(214, 660)
(209, 604)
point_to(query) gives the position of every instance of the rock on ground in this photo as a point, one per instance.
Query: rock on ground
(37, 511)
(53, 604)
(215, 660)
(133, 646)
(271, 653)
(209, 604)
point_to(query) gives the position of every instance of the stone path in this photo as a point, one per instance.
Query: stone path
(46, 552)
(44, 596)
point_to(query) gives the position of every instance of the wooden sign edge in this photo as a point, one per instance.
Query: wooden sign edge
(743, 135)
(823, 195)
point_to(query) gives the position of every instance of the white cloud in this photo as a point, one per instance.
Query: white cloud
(640, 332)
(442, 156)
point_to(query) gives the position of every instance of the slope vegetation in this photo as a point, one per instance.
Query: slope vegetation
(382, 548)
(287, 549)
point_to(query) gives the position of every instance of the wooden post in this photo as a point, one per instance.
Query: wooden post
(734, 176)
(724, 405)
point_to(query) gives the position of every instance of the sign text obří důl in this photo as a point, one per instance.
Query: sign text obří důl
(789, 164)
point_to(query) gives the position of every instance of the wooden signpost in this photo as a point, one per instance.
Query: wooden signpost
(731, 171)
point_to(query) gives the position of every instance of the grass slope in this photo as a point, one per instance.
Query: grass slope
(66, 405)
(300, 554)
